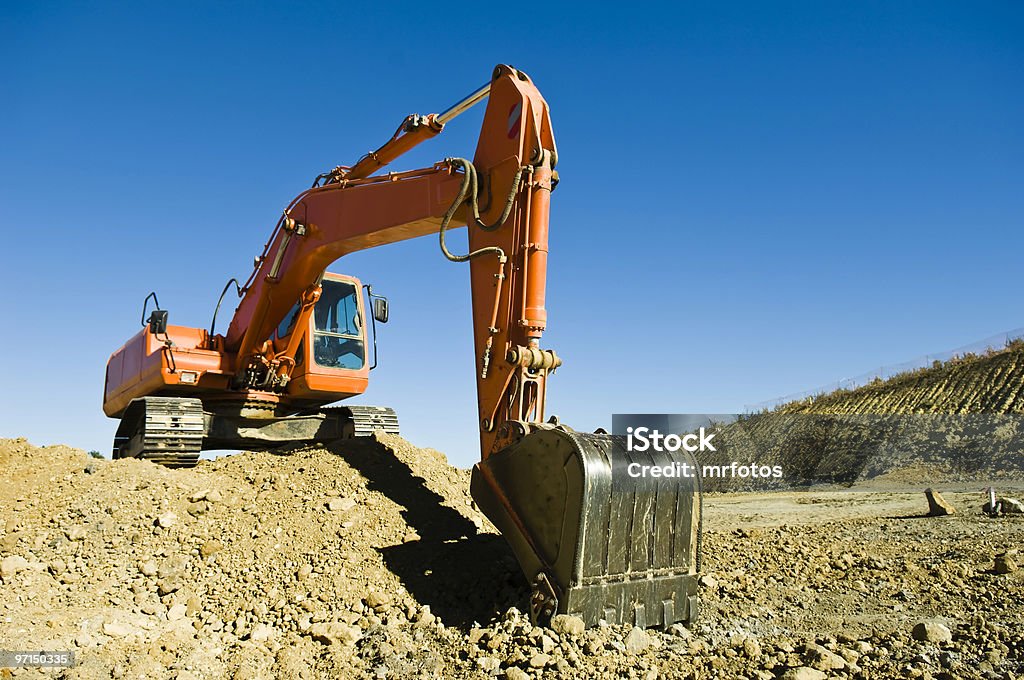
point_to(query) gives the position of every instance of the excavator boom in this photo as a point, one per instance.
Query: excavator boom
(590, 541)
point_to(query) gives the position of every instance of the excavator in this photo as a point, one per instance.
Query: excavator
(591, 541)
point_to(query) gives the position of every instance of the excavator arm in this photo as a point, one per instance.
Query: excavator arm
(503, 194)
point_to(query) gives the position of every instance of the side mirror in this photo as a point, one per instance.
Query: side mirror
(158, 322)
(380, 309)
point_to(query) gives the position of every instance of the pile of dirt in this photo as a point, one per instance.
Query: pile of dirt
(368, 559)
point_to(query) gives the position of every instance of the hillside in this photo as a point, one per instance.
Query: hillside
(988, 383)
(958, 420)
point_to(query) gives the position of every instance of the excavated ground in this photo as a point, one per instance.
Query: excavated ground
(369, 560)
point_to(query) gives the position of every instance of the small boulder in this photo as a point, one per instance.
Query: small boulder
(261, 633)
(566, 624)
(488, 664)
(932, 631)
(340, 504)
(170, 585)
(680, 631)
(114, 629)
(327, 633)
(11, 565)
(637, 640)
(1004, 562)
(211, 547)
(198, 508)
(823, 659)
(167, 520)
(1011, 506)
(803, 673)
(377, 600)
(937, 505)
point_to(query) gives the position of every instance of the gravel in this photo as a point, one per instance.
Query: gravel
(404, 578)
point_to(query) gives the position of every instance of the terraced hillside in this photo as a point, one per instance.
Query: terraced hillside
(962, 420)
(988, 383)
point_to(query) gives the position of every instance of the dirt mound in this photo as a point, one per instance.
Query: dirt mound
(368, 559)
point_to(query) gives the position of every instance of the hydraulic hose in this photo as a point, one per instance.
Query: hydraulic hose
(469, 191)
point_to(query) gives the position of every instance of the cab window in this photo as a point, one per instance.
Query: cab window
(337, 327)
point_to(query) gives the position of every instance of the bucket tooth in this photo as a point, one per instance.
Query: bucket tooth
(591, 540)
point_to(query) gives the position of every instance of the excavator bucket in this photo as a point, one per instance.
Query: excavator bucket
(593, 540)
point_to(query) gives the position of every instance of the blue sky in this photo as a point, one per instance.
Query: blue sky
(756, 198)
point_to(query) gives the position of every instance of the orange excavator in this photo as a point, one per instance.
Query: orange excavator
(591, 540)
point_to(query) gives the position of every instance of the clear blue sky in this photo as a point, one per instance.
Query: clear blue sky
(756, 198)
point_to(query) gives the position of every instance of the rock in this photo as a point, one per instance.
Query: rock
(11, 565)
(304, 572)
(199, 508)
(211, 547)
(937, 505)
(424, 617)
(514, 673)
(708, 581)
(114, 629)
(261, 633)
(822, 659)
(540, 660)
(340, 504)
(547, 645)
(75, 533)
(210, 495)
(803, 673)
(680, 631)
(375, 599)
(1010, 506)
(170, 584)
(1004, 562)
(167, 520)
(84, 640)
(1003, 506)
(488, 664)
(637, 640)
(932, 631)
(342, 633)
(149, 568)
(751, 647)
(566, 624)
(177, 612)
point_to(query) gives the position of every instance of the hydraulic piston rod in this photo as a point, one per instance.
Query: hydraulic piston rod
(414, 130)
(466, 104)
